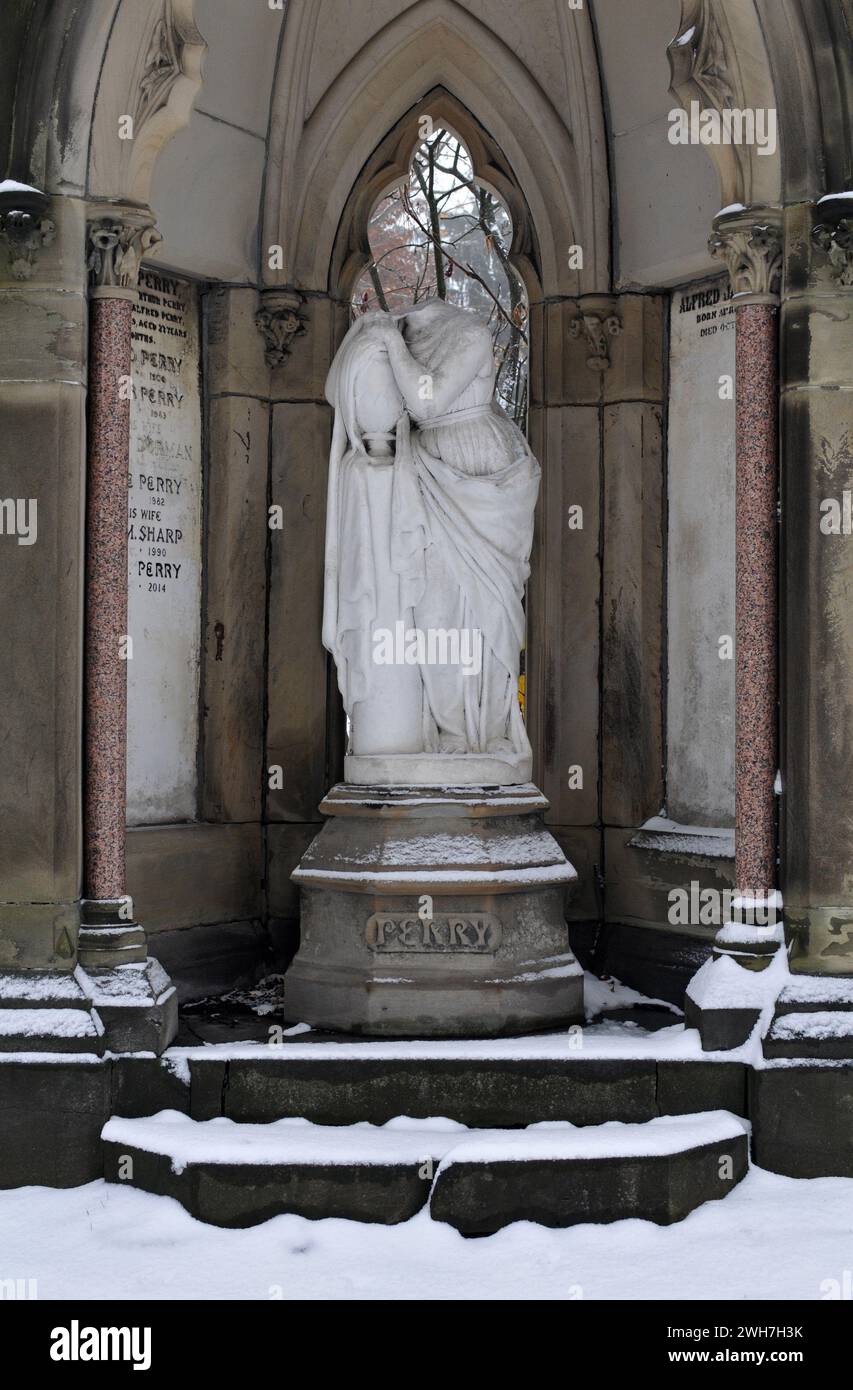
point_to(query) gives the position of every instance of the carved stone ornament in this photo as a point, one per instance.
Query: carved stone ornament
(166, 79)
(701, 72)
(598, 318)
(834, 241)
(750, 243)
(23, 225)
(25, 236)
(116, 249)
(280, 321)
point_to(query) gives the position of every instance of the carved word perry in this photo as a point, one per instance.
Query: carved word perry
(446, 931)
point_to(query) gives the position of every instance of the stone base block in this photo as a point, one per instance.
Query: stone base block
(137, 1005)
(434, 912)
(720, 1029)
(802, 1118)
(438, 769)
(52, 1112)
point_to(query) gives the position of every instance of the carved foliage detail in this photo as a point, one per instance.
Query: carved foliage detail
(598, 319)
(836, 245)
(280, 322)
(753, 255)
(701, 71)
(25, 233)
(116, 250)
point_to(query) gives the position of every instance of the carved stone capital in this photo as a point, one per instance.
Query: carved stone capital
(833, 239)
(24, 228)
(117, 243)
(280, 320)
(598, 317)
(750, 243)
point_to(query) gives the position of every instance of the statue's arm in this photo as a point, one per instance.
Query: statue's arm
(432, 393)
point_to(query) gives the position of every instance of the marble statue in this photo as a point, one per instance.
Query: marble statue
(429, 529)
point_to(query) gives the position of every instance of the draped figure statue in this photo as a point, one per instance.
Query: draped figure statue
(432, 490)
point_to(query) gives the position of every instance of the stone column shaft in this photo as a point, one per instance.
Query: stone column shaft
(117, 243)
(755, 598)
(751, 244)
(106, 598)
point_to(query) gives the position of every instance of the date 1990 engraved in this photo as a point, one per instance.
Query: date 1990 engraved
(446, 931)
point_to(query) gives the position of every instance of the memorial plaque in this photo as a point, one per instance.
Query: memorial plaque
(164, 552)
(701, 564)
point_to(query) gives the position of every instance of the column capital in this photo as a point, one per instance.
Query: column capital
(117, 239)
(280, 320)
(599, 318)
(750, 242)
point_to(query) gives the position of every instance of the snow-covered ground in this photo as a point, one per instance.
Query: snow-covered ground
(771, 1238)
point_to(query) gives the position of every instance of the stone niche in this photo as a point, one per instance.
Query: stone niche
(701, 573)
(164, 552)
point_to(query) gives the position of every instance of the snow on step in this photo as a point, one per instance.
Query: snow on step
(406, 1140)
(237, 1175)
(289, 1141)
(556, 1142)
(48, 1023)
(814, 1026)
(50, 988)
(817, 989)
(658, 1171)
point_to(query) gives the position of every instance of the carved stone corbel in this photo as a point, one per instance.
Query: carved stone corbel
(117, 243)
(23, 226)
(833, 239)
(598, 317)
(750, 243)
(280, 321)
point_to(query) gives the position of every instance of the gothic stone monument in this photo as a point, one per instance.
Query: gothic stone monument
(433, 898)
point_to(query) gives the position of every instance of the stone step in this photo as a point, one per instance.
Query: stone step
(48, 989)
(815, 993)
(820, 1033)
(559, 1176)
(475, 1084)
(238, 1175)
(50, 1029)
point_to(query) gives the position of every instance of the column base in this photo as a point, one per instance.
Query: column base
(434, 912)
(108, 935)
(736, 989)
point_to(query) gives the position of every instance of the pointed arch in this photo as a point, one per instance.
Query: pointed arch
(435, 48)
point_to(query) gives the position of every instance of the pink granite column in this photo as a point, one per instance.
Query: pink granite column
(756, 684)
(108, 935)
(750, 242)
(106, 599)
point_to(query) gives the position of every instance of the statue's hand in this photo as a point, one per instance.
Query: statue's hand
(383, 328)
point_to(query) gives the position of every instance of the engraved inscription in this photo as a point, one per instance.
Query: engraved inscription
(446, 931)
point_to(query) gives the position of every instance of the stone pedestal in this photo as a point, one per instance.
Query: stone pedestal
(434, 912)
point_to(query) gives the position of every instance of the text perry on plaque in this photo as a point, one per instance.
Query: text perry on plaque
(445, 931)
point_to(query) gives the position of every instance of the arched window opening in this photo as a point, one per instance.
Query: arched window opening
(442, 234)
